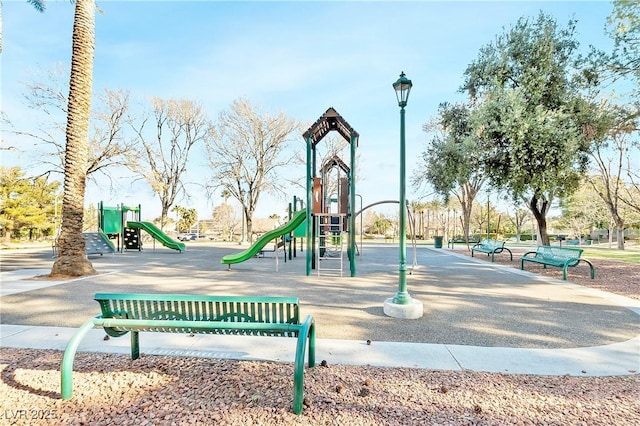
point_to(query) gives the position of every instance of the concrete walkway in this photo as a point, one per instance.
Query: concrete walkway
(515, 321)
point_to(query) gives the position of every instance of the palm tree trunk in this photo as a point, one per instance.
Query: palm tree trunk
(72, 259)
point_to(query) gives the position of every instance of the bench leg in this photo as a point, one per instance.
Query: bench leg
(135, 345)
(66, 368)
(592, 269)
(510, 254)
(312, 344)
(306, 332)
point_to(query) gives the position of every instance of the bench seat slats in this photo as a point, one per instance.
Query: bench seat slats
(214, 327)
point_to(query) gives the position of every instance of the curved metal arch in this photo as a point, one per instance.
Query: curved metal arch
(412, 225)
(377, 203)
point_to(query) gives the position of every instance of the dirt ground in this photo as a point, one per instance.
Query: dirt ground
(610, 275)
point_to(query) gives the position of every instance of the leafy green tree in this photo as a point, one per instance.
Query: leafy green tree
(623, 26)
(226, 195)
(26, 204)
(417, 214)
(529, 116)
(186, 218)
(381, 225)
(450, 163)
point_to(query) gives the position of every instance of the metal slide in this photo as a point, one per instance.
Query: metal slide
(158, 235)
(298, 217)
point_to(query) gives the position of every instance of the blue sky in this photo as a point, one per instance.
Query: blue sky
(299, 57)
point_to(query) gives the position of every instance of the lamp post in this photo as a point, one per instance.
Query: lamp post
(402, 305)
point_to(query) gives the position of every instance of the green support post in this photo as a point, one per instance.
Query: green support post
(352, 207)
(310, 245)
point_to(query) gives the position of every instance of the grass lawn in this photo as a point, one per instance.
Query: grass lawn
(631, 255)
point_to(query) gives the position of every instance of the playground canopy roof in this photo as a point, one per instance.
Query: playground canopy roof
(333, 162)
(329, 121)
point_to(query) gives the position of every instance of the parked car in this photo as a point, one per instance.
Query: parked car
(188, 237)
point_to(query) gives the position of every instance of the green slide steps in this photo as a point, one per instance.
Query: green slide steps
(298, 217)
(157, 234)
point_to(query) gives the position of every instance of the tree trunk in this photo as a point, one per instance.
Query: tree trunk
(249, 222)
(620, 238)
(466, 201)
(164, 214)
(540, 213)
(72, 259)
(619, 224)
(466, 223)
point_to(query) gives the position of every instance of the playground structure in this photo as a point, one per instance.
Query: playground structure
(122, 223)
(329, 212)
(329, 217)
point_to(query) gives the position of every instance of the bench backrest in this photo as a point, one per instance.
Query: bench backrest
(492, 243)
(558, 254)
(263, 310)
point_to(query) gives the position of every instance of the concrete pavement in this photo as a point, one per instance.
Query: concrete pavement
(478, 316)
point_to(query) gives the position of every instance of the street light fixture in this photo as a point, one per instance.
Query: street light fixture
(402, 86)
(402, 305)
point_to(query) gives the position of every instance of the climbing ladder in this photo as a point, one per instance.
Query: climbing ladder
(98, 243)
(330, 243)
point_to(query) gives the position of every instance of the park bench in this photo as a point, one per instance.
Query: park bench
(460, 240)
(560, 257)
(194, 314)
(491, 247)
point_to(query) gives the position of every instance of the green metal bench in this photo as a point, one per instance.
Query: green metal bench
(491, 247)
(452, 241)
(560, 257)
(171, 313)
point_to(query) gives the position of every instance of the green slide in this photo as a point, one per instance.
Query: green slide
(296, 220)
(156, 233)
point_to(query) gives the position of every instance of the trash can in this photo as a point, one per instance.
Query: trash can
(437, 242)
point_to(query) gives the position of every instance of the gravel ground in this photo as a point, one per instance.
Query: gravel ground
(158, 390)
